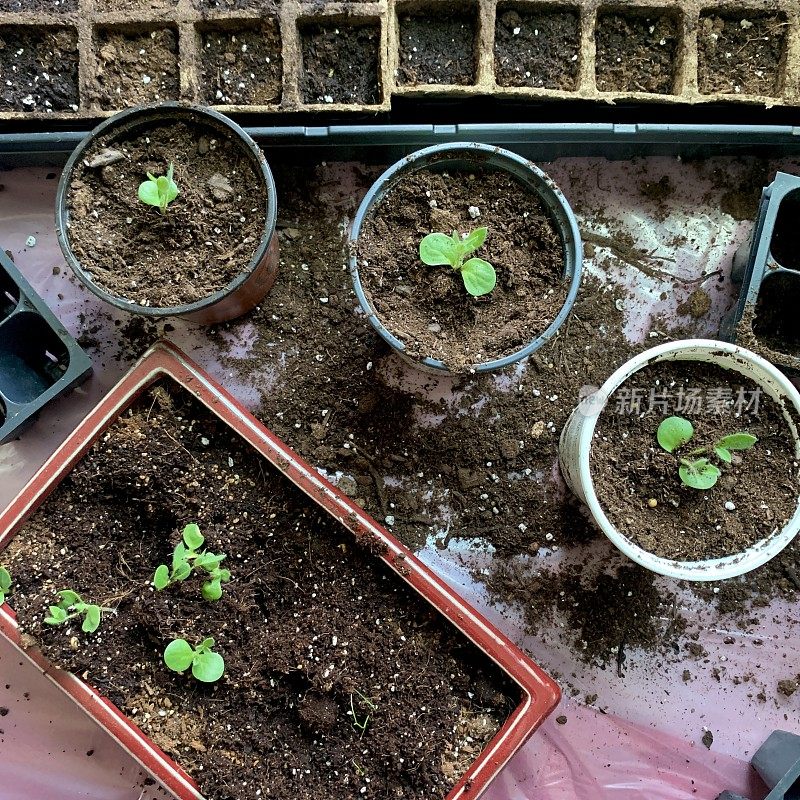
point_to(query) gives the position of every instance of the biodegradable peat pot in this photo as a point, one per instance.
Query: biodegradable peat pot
(212, 256)
(424, 313)
(578, 466)
(303, 670)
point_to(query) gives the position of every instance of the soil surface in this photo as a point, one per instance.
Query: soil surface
(133, 5)
(135, 68)
(39, 69)
(56, 6)
(428, 308)
(755, 496)
(236, 5)
(242, 66)
(206, 238)
(538, 49)
(741, 53)
(339, 681)
(636, 53)
(340, 63)
(775, 319)
(438, 49)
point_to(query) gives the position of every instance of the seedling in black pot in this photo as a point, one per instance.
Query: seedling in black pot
(160, 191)
(439, 249)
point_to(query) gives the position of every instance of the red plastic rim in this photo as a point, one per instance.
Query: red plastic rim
(540, 692)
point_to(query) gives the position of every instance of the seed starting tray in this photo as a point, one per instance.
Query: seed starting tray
(90, 58)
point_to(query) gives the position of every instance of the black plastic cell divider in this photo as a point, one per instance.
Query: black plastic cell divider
(39, 360)
(539, 141)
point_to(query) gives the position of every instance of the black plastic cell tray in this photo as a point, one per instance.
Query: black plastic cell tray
(39, 360)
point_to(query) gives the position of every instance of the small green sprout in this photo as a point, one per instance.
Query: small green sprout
(207, 666)
(159, 192)
(699, 473)
(438, 249)
(364, 703)
(186, 557)
(71, 606)
(5, 584)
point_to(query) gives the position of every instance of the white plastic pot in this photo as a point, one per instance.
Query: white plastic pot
(576, 442)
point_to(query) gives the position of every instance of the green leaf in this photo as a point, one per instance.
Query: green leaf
(208, 667)
(724, 454)
(223, 575)
(737, 441)
(700, 474)
(182, 572)
(474, 240)
(178, 555)
(212, 590)
(57, 615)
(2, 597)
(68, 598)
(192, 536)
(674, 432)
(206, 644)
(209, 561)
(148, 192)
(178, 655)
(161, 578)
(92, 620)
(438, 249)
(5, 579)
(479, 277)
(172, 188)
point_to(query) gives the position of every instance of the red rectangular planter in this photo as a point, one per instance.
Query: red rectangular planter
(540, 692)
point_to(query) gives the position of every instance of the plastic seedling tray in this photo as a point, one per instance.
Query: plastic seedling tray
(540, 694)
(769, 270)
(39, 360)
(777, 761)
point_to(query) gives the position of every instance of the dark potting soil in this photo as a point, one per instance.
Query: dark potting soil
(133, 5)
(428, 308)
(38, 69)
(242, 66)
(236, 5)
(134, 68)
(629, 468)
(206, 238)
(740, 52)
(538, 49)
(636, 52)
(438, 48)
(339, 681)
(340, 63)
(775, 318)
(55, 6)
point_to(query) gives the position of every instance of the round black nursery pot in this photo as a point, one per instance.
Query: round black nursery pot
(257, 274)
(463, 156)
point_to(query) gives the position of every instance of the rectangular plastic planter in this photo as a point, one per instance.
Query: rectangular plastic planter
(39, 360)
(540, 692)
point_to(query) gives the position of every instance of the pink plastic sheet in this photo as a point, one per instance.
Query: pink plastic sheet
(643, 737)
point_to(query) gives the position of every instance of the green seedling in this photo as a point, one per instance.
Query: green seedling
(71, 606)
(438, 249)
(364, 703)
(187, 557)
(5, 584)
(159, 192)
(207, 666)
(696, 469)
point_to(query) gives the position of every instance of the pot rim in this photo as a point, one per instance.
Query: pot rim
(540, 693)
(166, 112)
(705, 569)
(544, 186)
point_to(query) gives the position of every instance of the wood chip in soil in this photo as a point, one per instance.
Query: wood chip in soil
(339, 681)
(427, 308)
(208, 235)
